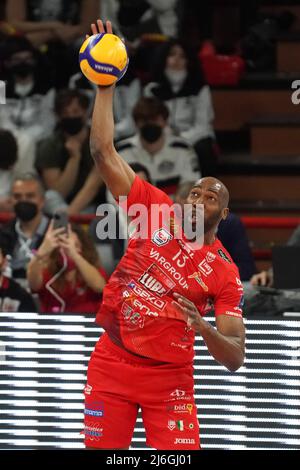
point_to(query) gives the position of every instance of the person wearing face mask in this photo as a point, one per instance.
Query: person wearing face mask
(179, 83)
(26, 231)
(29, 94)
(13, 298)
(168, 158)
(64, 161)
(66, 272)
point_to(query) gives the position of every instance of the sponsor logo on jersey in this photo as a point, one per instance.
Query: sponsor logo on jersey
(205, 268)
(171, 425)
(169, 268)
(177, 393)
(175, 424)
(88, 389)
(180, 346)
(180, 408)
(210, 257)
(93, 431)
(132, 318)
(161, 237)
(224, 256)
(198, 278)
(180, 425)
(95, 409)
(233, 314)
(155, 280)
(184, 441)
(158, 303)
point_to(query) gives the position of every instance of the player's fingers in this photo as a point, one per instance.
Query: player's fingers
(94, 28)
(109, 27)
(87, 36)
(100, 26)
(184, 300)
(189, 316)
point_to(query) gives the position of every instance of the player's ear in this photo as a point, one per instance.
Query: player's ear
(225, 213)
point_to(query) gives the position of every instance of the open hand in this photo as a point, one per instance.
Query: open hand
(68, 243)
(189, 310)
(99, 27)
(51, 240)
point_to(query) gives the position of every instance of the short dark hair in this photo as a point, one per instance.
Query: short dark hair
(148, 108)
(9, 150)
(65, 97)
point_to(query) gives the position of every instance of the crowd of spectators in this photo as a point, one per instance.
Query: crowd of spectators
(164, 128)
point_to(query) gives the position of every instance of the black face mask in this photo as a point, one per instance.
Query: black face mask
(151, 132)
(26, 211)
(72, 126)
(22, 69)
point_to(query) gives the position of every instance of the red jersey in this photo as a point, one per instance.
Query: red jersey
(137, 310)
(77, 298)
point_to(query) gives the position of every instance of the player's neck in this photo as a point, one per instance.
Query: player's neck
(210, 238)
(153, 147)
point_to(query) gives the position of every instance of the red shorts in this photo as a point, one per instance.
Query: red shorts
(119, 383)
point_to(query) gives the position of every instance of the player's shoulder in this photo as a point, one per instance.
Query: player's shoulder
(224, 260)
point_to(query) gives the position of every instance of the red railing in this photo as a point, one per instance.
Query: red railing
(249, 222)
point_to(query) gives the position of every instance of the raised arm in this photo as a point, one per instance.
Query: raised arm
(116, 173)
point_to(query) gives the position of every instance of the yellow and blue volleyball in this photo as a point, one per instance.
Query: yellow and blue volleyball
(103, 58)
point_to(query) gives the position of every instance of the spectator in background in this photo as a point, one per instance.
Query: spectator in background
(265, 278)
(127, 93)
(179, 83)
(168, 158)
(28, 112)
(9, 157)
(64, 161)
(66, 272)
(26, 231)
(60, 25)
(139, 17)
(13, 298)
(145, 24)
(232, 234)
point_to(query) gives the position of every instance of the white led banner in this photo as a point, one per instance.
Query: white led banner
(42, 375)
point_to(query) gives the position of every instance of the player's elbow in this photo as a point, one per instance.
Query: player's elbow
(234, 365)
(101, 151)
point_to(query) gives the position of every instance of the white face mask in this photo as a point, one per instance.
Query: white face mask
(23, 89)
(175, 77)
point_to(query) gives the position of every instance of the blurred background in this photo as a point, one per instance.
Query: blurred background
(213, 88)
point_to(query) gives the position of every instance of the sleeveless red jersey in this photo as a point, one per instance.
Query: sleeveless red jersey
(137, 310)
